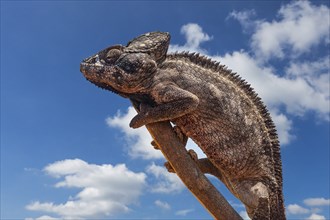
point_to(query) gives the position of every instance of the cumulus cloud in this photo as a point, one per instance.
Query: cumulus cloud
(137, 140)
(300, 27)
(162, 205)
(317, 202)
(106, 190)
(165, 182)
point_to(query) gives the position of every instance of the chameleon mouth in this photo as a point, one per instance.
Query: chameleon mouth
(88, 68)
(92, 65)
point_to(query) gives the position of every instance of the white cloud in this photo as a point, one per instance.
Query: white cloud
(165, 182)
(162, 205)
(194, 37)
(300, 27)
(106, 190)
(183, 212)
(317, 202)
(316, 217)
(295, 209)
(138, 140)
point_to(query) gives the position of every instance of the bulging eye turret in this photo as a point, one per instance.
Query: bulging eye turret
(112, 55)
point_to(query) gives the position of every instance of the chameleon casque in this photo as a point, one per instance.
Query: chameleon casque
(208, 103)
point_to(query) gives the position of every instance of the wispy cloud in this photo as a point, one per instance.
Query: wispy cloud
(162, 205)
(183, 212)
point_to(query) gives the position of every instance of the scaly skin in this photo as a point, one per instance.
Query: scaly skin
(209, 104)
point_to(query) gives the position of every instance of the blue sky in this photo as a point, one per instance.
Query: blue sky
(66, 149)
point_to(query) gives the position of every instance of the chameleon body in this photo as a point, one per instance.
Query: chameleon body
(211, 105)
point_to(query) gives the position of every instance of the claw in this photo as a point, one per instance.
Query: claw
(155, 145)
(169, 167)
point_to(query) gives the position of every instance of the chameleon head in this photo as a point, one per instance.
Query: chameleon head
(119, 71)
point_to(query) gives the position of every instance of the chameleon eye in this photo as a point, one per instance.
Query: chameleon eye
(130, 63)
(112, 55)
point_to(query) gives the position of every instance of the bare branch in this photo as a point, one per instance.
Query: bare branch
(189, 172)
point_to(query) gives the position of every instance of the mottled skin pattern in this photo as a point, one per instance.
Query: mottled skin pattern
(209, 104)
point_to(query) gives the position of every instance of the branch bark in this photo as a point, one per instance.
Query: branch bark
(189, 172)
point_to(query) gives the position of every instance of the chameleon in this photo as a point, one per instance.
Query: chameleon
(206, 102)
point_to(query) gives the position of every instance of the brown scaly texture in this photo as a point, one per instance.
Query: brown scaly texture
(209, 104)
(270, 145)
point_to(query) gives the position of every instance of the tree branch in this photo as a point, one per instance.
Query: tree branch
(188, 171)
